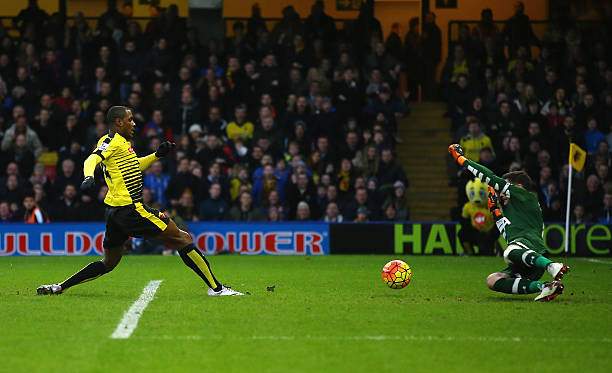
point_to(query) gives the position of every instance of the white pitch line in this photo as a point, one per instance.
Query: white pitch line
(129, 322)
(591, 260)
(380, 338)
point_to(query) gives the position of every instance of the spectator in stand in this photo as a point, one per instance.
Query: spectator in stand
(20, 154)
(244, 210)
(46, 129)
(240, 128)
(592, 136)
(185, 208)
(475, 140)
(300, 189)
(215, 175)
(518, 31)
(432, 52)
(303, 212)
(347, 94)
(456, 66)
(579, 215)
(6, 215)
(12, 192)
(390, 213)
(67, 176)
(399, 203)
(360, 201)
(156, 181)
(604, 214)
(362, 215)
(413, 56)
(67, 207)
(266, 184)
(180, 182)
(389, 171)
(21, 127)
(461, 100)
(187, 112)
(593, 194)
(33, 213)
(215, 124)
(332, 213)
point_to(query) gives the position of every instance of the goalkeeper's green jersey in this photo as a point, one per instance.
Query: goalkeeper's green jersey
(522, 222)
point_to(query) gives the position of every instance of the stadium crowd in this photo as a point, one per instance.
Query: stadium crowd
(510, 110)
(296, 122)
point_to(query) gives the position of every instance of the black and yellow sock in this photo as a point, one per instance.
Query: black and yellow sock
(89, 272)
(194, 259)
(517, 286)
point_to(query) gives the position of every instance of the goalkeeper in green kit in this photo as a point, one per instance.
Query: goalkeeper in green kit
(521, 225)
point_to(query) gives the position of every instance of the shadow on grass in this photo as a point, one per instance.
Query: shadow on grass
(563, 299)
(510, 299)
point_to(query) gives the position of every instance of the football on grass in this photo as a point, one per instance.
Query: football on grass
(396, 274)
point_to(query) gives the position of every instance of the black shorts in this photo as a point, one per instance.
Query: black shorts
(135, 220)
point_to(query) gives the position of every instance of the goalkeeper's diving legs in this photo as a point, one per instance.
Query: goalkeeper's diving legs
(519, 255)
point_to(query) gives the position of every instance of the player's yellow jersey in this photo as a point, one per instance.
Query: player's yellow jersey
(122, 170)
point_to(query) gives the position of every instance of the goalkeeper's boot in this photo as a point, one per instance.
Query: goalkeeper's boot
(557, 270)
(225, 291)
(49, 289)
(550, 291)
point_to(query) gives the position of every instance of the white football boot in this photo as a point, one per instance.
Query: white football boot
(550, 291)
(225, 291)
(557, 270)
(49, 289)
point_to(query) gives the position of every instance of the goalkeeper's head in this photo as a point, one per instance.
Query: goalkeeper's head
(520, 178)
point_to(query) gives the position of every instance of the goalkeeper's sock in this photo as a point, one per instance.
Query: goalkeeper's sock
(90, 272)
(194, 259)
(517, 286)
(527, 257)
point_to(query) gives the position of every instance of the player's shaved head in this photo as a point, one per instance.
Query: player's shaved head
(114, 113)
(120, 120)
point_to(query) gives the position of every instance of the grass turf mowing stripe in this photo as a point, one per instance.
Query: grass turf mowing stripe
(591, 260)
(417, 338)
(129, 322)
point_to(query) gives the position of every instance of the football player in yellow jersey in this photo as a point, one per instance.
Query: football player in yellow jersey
(126, 215)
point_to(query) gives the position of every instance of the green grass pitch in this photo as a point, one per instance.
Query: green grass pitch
(330, 314)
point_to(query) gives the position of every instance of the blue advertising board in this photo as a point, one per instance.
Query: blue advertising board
(211, 238)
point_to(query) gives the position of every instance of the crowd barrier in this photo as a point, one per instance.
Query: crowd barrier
(291, 238)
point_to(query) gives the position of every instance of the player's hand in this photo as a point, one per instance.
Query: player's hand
(88, 183)
(492, 201)
(164, 148)
(456, 151)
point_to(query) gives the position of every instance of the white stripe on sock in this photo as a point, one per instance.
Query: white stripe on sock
(515, 285)
(524, 257)
(129, 322)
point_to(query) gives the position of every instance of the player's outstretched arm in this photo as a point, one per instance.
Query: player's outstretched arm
(89, 167)
(146, 161)
(480, 171)
(163, 150)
